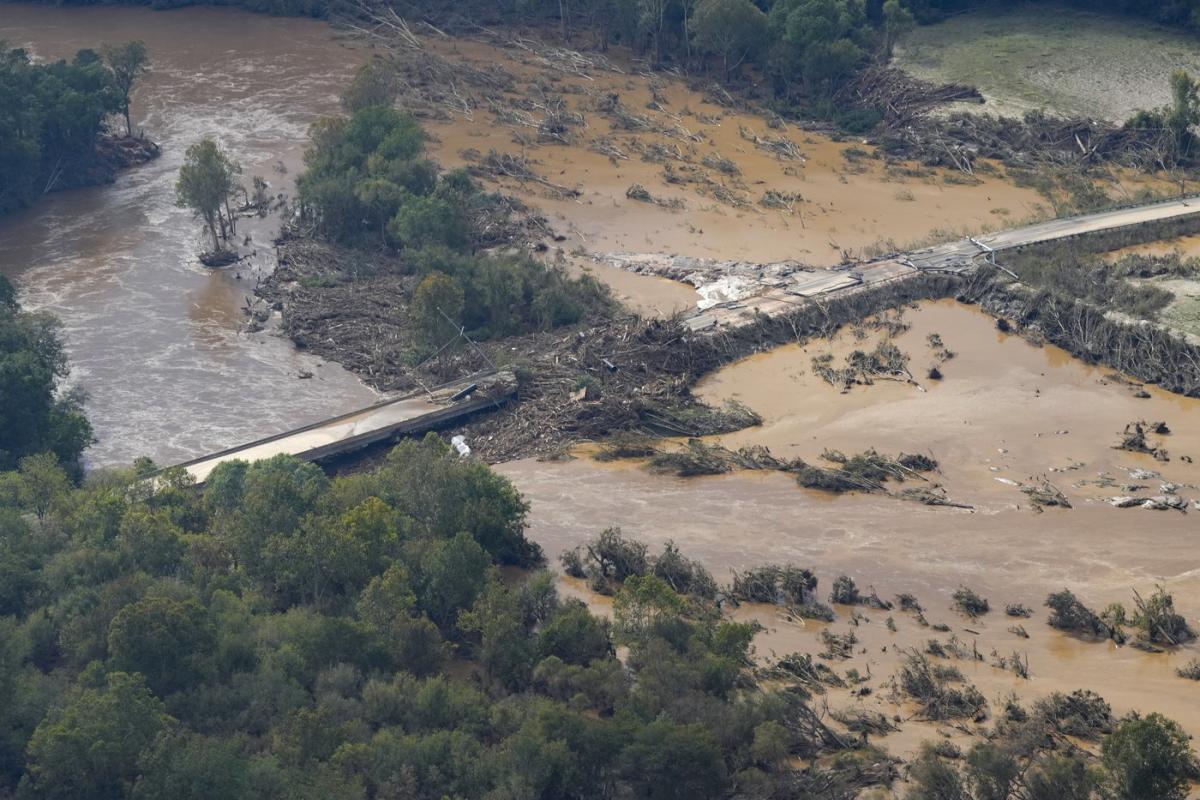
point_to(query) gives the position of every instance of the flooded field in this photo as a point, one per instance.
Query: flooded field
(1003, 409)
(1004, 412)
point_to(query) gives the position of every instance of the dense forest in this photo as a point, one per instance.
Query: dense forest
(52, 113)
(285, 635)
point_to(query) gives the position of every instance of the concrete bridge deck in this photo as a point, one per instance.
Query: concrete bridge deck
(414, 413)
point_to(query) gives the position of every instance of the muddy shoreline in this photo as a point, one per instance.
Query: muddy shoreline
(111, 155)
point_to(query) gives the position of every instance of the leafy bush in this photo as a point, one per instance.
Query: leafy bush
(1149, 758)
(969, 602)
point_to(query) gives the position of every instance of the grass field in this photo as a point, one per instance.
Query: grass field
(1071, 61)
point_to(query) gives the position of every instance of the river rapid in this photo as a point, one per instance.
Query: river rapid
(155, 338)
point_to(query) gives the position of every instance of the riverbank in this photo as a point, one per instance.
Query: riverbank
(111, 155)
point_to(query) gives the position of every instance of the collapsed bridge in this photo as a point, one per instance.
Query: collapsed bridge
(741, 291)
(733, 292)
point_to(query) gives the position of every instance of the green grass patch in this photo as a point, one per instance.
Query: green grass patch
(1071, 61)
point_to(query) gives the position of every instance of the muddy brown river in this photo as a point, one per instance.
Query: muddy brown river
(155, 337)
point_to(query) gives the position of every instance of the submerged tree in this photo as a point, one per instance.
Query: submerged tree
(207, 179)
(127, 63)
(1184, 111)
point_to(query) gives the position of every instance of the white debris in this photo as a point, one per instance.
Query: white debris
(1162, 502)
(1144, 474)
(1125, 501)
(460, 444)
(724, 289)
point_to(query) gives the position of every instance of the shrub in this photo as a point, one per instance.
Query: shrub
(970, 603)
(436, 309)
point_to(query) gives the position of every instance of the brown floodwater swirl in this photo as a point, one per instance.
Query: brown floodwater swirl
(154, 337)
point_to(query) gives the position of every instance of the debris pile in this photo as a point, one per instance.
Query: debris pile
(497, 165)
(781, 147)
(903, 97)
(937, 691)
(1133, 439)
(1044, 494)
(642, 194)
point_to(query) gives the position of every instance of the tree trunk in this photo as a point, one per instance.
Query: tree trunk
(687, 38)
(128, 122)
(212, 230)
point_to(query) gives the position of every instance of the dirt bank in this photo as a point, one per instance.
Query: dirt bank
(727, 182)
(111, 155)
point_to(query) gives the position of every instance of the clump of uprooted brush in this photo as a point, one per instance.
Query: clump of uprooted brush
(868, 471)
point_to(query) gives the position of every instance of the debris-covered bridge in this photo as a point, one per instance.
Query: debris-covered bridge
(762, 288)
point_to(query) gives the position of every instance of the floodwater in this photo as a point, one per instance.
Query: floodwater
(155, 337)
(1005, 409)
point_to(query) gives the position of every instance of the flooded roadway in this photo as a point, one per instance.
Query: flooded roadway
(155, 337)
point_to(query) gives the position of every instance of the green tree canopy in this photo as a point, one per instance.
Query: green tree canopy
(207, 180)
(91, 746)
(50, 116)
(818, 42)
(127, 63)
(37, 413)
(1149, 758)
(730, 30)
